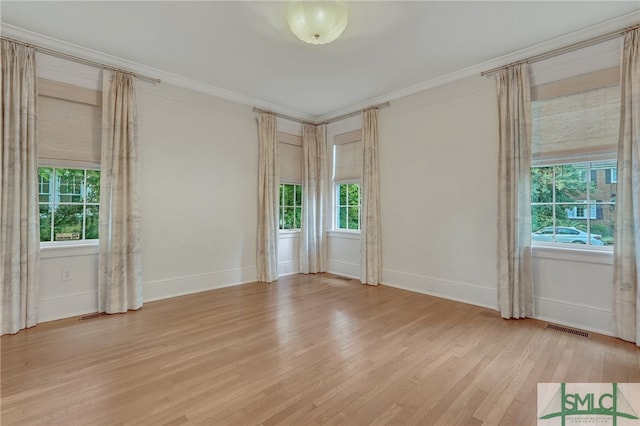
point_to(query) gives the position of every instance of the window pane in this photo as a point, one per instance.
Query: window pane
(342, 191)
(541, 217)
(298, 221)
(298, 190)
(93, 186)
(44, 184)
(342, 218)
(354, 194)
(289, 217)
(571, 182)
(45, 222)
(281, 196)
(288, 195)
(354, 218)
(92, 222)
(68, 222)
(604, 225)
(542, 184)
(69, 185)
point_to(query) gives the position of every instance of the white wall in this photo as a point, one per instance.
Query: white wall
(438, 167)
(438, 172)
(199, 198)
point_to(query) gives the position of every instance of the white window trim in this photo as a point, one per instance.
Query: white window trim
(593, 204)
(70, 243)
(294, 230)
(335, 228)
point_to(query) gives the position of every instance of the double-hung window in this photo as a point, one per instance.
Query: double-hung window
(69, 145)
(69, 204)
(290, 195)
(347, 169)
(574, 168)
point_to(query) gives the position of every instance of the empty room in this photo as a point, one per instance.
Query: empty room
(336, 213)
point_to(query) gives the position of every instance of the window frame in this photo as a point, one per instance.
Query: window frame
(591, 203)
(54, 191)
(337, 205)
(281, 207)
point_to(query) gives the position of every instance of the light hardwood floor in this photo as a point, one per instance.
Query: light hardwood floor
(305, 350)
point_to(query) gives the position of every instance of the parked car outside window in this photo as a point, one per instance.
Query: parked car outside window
(566, 234)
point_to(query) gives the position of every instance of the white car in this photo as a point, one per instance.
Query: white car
(566, 234)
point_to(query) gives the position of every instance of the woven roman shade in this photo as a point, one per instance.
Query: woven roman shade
(69, 124)
(576, 118)
(347, 155)
(575, 105)
(290, 157)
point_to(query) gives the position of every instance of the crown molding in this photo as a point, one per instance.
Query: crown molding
(615, 24)
(42, 40)
(18, 33)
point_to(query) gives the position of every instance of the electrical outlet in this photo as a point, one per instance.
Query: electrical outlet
(66, 274)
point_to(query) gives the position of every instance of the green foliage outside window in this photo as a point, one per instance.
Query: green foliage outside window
(577, 195)
(69, 204)
(348, 205)
(290, 206)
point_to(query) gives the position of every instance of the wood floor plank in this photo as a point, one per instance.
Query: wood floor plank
(308, 349)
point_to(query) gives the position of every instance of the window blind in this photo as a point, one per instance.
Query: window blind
(575, 105)
(290, 157)
(347, 156)
(580, 126)
(69, 124)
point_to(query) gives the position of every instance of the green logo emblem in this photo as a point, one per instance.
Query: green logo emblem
(564, 405)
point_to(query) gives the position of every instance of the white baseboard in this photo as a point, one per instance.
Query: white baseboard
(589, 318)
(345, 269)
(67, 306)
(288, 267)
(180, 286)
(453, 290)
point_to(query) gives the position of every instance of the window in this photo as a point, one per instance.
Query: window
(566, 208)
(69, 204)
(348, 206)
(290, 205)
(580, 212)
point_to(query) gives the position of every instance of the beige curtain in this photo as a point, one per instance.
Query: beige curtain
(626, 252)
(268, 203)
(119, 262)
(313, 238)
(19, 220)
(370, 249)
(515, 282)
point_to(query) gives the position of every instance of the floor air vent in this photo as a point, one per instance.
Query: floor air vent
(568, 330)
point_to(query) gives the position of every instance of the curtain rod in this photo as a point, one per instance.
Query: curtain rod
(332, 120)
(566, 49)
(80, 60)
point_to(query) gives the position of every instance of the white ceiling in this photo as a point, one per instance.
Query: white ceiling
(245, 48)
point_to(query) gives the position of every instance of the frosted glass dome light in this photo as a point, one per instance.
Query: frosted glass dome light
(317, 22)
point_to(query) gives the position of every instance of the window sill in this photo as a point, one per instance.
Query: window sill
(53, 250)
(344, 234)
(600, 255)
(289, 233)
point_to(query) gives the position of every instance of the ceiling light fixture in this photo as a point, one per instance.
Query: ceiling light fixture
(317, 22)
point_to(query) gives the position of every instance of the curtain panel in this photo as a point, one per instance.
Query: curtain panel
(370, 248)
(313, 230)
(515, 281)
(626, 254)
(19, 219)
(268, 203)
(119, 259)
